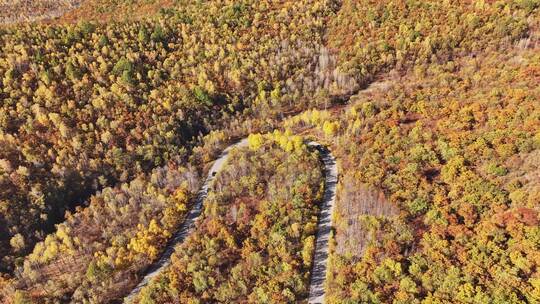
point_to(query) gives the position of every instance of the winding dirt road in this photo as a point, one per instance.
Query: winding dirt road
(318, 276)
(187, 226)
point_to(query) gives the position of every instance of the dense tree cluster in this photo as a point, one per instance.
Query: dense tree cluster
(375, 36)
(256, 238)
(107, 243)
(90, 105)
(455, 146)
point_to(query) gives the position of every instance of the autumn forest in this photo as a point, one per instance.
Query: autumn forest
(296, 151)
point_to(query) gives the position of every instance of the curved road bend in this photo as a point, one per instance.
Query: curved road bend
(318, 275)
(187, 226)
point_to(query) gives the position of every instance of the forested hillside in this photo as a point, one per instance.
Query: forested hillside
(111, 111)
(87, 106)
(18, 11)
(459, 155)
(452, 143)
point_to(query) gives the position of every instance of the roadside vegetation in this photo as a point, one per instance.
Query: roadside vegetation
(453, 146)
(256, 238)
